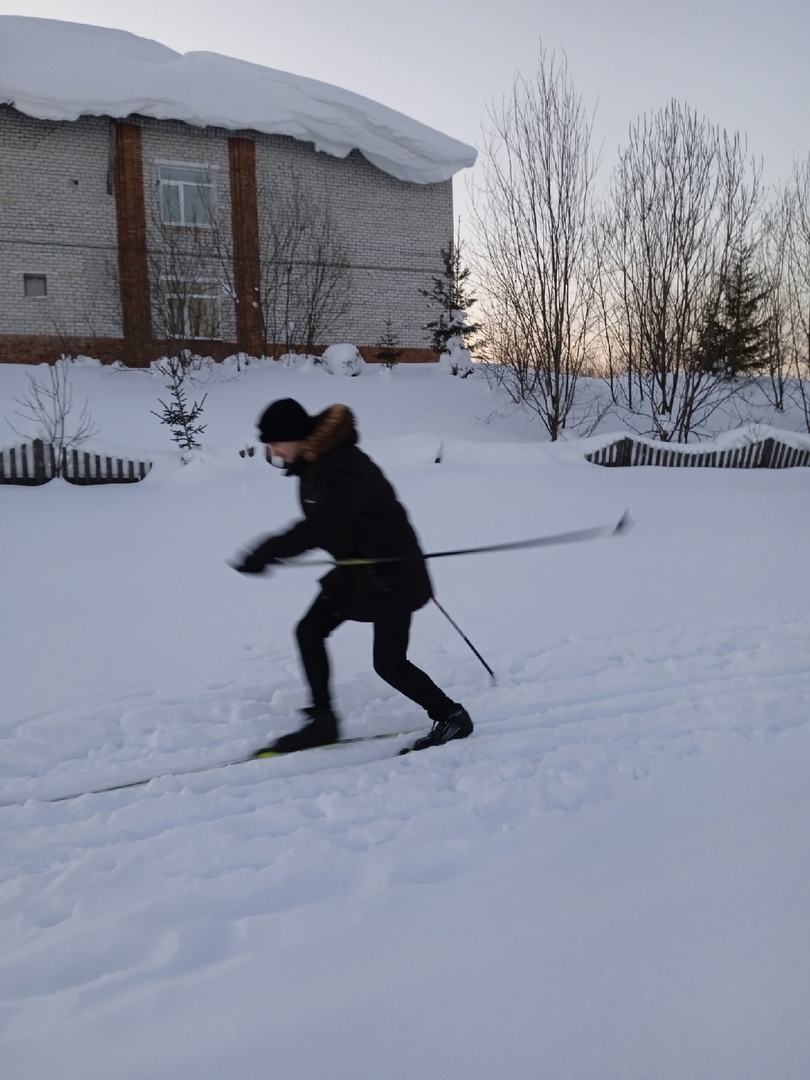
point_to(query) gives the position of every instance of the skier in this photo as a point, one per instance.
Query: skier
(351, 511)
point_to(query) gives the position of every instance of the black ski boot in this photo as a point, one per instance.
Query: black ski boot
(322, 730)
(456, 725)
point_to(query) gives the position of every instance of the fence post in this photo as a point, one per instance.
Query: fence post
(38, 448)
(767, 454)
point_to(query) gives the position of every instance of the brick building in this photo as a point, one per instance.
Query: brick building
(191, 220)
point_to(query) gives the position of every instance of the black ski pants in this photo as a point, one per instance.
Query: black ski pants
(390, 660)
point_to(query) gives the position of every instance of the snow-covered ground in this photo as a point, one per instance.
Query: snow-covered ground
(610, 879)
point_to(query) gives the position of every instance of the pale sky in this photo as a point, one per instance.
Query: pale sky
(741, 64)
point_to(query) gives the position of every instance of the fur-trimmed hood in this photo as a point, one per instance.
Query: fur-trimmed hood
(334, 427)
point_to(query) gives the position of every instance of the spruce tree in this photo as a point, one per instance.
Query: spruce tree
(180, 417)
(735, 338)
(388, 345)
(452, 294)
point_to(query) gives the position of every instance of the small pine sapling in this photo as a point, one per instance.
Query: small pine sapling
(388, 346)
(177, 415)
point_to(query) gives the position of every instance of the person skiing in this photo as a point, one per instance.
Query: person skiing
(350, 511)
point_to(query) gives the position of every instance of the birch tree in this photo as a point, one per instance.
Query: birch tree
(533, 241)
(682, 206)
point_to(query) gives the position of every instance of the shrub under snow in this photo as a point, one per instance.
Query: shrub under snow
(456, 360)
(342, 359)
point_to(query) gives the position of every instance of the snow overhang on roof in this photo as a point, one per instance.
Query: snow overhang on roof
(56, 70)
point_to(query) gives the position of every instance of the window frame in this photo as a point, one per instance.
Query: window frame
(30, 276)
(180, 185)
(183, 290)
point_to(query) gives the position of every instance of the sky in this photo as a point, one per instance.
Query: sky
(742, 68)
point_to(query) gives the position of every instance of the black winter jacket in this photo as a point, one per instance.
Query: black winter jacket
(351, 510)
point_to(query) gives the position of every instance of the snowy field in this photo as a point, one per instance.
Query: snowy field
(609, 881)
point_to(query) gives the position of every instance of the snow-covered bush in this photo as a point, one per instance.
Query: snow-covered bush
(342, 359)
(456, 360)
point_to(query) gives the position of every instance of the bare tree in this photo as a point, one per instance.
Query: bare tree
(189, 277)
(682, 206)
(796, 210)
(49, 408)
(532, 248)
(305, 278)
(776, 244)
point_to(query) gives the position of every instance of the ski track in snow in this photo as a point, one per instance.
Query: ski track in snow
(278, 850)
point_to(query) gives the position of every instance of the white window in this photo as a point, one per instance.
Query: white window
(188, 195)
(193, 309)
(35, 285)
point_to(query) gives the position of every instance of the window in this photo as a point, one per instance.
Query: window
(188, 195)
(35, 285)
(193, 309)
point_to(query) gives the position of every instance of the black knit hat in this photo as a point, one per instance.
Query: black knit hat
(285, 421)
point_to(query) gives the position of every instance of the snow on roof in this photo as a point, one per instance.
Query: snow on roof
(56, 70)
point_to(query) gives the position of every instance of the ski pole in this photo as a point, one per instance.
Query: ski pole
(464, 636)
(577, 535)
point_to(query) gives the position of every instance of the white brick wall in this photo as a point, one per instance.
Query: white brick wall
(393, 233)
(57, 216)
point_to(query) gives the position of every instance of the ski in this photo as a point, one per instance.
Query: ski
(260, 755)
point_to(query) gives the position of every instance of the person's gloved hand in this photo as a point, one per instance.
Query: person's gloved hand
(250, 563)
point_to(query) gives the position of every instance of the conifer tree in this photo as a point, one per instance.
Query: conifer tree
(735, 339)
(180, 417)
(452, 294)
(388, 345)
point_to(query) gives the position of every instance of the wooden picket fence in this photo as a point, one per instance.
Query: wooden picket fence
(38, 462)
(768, 453)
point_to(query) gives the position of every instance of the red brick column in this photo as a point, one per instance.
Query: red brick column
(245, 232)
(133, 270)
